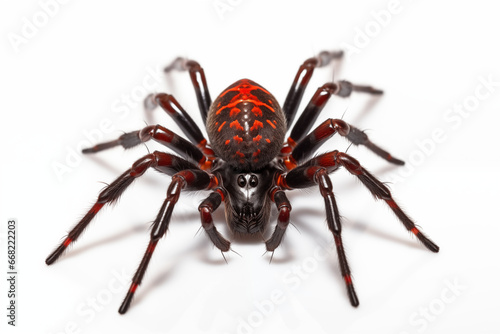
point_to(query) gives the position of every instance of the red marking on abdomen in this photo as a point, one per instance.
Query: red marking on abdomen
(221, 126)
(256, 153)
(257, 138)
(256, 125)
(234, 112)
(236, 125)
(238, 139)
(257, 111)
(271, 124)
(244, 89)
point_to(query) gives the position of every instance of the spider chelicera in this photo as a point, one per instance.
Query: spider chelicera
(245, 163)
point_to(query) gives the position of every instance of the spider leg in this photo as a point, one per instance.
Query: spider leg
(161, 161)
(283, 205)
(193, 179)
(209, 205)
(318, 102)
(301, 81)
(304, 176)
(310, 143)
(198, 79)
(308, 177)
(334, 224)
(170, 105)
(161, 135)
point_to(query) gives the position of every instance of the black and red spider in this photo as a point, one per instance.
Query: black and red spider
(245, 163)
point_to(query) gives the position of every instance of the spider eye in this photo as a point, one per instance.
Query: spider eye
(241, 181)
(254, 181)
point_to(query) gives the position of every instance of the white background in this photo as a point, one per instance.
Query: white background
(59, 85)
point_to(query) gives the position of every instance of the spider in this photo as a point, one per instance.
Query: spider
(247, 164)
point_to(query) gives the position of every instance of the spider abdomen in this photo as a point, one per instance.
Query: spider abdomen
(246, 125)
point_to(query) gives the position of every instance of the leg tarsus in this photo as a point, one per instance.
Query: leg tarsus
(283, 205)
(210, 204)
(127, 140)
(358, 137)
(275, 240)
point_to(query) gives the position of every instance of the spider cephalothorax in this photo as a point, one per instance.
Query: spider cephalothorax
(245, 164)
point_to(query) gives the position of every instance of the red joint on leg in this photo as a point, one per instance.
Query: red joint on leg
(311, 172)
(214, 182)
(324, 130)
(338, 241)
(291, 142)
(290, 163)
(151, 248)
(95, 209)
(67, 242)
(206, 218)
(202, 143)
(348, 280)
(272, 192)
(285, 150)
(133, 287)
(415, 231)
(205, 164)
(392, 204)
(281, 182)
(221, 193)
(283, 217)
(187, 175)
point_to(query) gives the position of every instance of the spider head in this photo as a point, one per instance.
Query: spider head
(247, 204)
